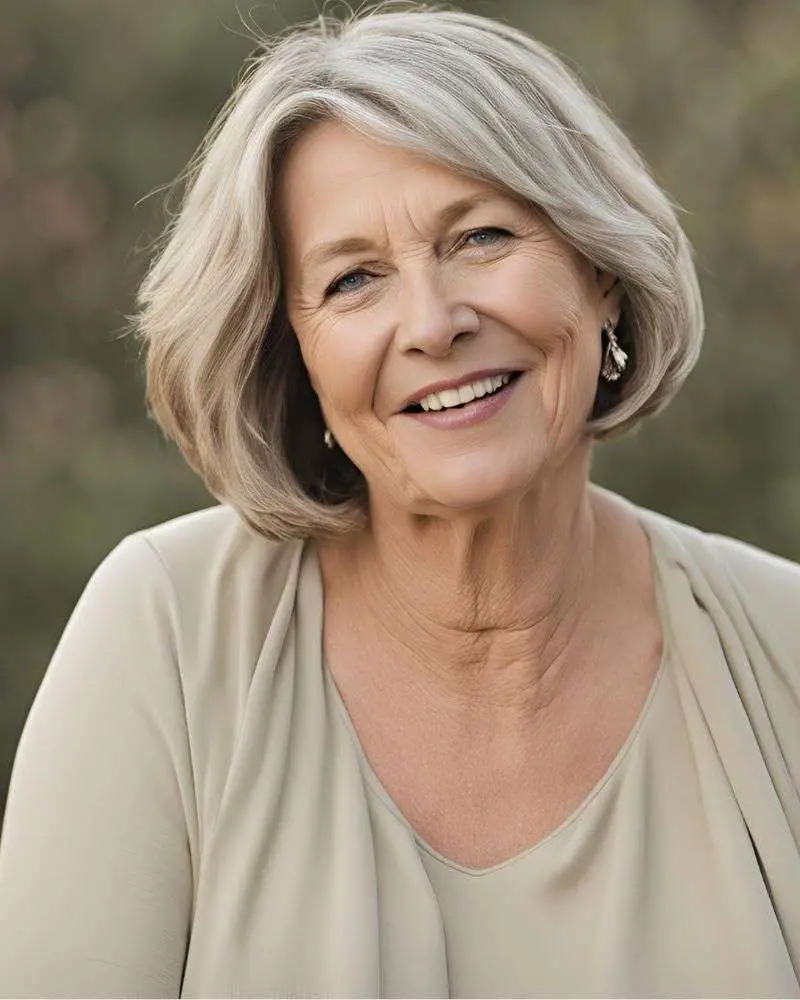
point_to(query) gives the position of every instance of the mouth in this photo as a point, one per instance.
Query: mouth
(465, 395)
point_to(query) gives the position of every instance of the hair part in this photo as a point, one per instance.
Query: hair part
(225, 378)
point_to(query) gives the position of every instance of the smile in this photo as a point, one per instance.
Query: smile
(464, 405)
(461, 396)
(449, 399)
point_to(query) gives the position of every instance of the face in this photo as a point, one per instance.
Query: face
(412, 288)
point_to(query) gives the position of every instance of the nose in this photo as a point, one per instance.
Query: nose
(429, 322)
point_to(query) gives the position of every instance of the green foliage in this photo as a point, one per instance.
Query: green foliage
(102, 103)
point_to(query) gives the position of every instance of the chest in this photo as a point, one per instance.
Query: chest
(477, 796)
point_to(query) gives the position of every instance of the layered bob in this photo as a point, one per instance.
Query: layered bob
(225, 378)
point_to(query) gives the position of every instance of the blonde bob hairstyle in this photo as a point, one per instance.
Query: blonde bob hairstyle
(225, 378)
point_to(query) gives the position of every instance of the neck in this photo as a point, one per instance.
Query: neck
(483, 604)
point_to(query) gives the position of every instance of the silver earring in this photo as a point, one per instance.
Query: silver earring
(615, 359)
(328, 438)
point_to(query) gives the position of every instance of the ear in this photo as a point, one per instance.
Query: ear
(611, 292)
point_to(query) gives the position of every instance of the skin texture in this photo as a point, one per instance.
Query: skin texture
(471, 629)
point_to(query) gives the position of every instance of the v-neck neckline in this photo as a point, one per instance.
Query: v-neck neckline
(615, 767)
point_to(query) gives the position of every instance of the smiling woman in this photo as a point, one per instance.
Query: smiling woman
(416, 710)
(500, 111)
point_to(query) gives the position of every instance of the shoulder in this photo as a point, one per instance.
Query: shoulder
(765, 586)
(752, 570)
(763, 576)
(195, 547)
(209, 561)
(208, 582)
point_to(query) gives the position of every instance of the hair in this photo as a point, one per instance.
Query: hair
(225, 378)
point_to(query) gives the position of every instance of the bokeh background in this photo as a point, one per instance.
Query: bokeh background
(103, 101)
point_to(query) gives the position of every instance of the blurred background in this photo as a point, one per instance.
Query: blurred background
(103, 101)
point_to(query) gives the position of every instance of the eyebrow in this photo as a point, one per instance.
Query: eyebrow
(324, 252)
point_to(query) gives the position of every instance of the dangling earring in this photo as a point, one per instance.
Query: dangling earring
(328, 438)
(615, 359)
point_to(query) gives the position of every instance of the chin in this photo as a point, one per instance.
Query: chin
(477, 489)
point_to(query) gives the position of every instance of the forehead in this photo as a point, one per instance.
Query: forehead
(334, 177)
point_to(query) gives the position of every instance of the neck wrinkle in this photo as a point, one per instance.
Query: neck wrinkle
(497, 606)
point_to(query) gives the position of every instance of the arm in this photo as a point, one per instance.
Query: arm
(95, 861)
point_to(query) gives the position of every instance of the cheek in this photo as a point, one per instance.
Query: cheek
(551, 300)
(343, 361)
(553, 308)
(535, 293)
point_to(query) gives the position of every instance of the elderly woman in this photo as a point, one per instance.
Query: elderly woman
(417, 710)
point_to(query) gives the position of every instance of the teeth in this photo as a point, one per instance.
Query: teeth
(450, 397)
(464, 394)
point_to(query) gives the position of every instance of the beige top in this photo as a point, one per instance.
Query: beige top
(190, 812)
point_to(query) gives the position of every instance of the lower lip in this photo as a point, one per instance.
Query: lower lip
(473, 413)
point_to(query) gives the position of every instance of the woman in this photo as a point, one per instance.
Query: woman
(417, 711)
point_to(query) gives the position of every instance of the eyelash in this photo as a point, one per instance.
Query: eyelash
(334, 288)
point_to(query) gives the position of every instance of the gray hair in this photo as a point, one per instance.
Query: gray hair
(224, 375)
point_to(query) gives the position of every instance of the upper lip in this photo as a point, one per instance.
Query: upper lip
(453, 383)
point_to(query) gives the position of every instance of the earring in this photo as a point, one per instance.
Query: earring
(328, 438)
(615, 359)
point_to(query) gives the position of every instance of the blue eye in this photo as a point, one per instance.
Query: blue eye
(495, 234)
(345, 284)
